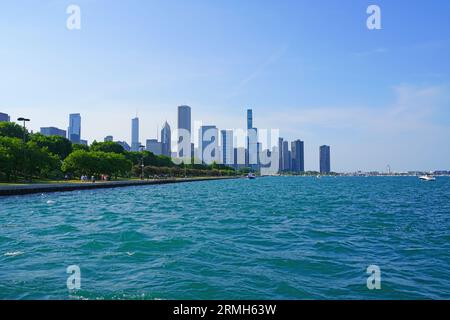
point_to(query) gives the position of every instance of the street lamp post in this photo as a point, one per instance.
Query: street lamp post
(24, 120)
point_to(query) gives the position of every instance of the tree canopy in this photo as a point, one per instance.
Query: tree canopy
(107, 146)
(95, 163)
(26, 160)
(12, 130)
(56, 145)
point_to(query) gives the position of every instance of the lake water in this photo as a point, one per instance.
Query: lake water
(269, 238)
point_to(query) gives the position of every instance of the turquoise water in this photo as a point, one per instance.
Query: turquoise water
(269, 238)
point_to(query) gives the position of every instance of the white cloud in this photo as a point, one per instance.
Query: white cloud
(405, 133)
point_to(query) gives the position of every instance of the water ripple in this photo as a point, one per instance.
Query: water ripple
(278, 237)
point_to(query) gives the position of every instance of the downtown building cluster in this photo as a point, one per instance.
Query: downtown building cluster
(222, 148)
(213, 145)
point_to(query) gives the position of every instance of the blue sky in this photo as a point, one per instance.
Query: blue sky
(310, 68)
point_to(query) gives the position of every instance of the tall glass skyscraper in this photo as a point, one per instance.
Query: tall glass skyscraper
(166, 142)
(249, 118)
(227, 147)
(298, 156)
(74, 130)
(184, 118)
(286, 156)
(280, 155)
(208, 135)
(325, 159)
(184, 122)
(252, 142)
(135, 144)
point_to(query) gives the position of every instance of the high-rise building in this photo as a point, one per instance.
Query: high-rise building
(124, 145)
(208, 138)
(252, 142)
(239, 157)
(4, 117)
(325, 166)
(166, 141)
(135, 144)
(298, 156)
(259, 151)
(52, 131)
(184, 118)
(154, 146)
(108, 139)
(184, 123)
(286, 156)
(280, 155)
(84, 142)
(227, 147)
(249, 118)
(252, 146)
(74, 130)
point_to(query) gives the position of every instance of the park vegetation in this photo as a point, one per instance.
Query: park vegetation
(28, 156)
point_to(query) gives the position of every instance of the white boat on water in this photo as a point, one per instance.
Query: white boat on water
(427, 178)
(251, 176)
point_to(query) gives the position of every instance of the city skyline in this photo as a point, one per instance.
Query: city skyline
(370, 94)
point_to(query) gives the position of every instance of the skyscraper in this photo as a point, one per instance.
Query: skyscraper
(184, 118)
(74, 130)
(52, 131)
(286, 156)
(239, 157)
(166, 142)
(227, 147)
(252, 142)
(4, 117)
(154, 146)
(249, 118)
(184, 123)
(298, 156)
(108, 139)
(135, 144)
(208, 136)
(280, 155)
(325, 159)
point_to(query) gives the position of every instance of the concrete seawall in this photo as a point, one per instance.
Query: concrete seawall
(14, 190)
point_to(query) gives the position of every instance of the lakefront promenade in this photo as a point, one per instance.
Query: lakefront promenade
(12, 190)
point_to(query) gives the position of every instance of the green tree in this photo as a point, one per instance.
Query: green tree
(109, 146)
(80, 162)
(26, 160)
(79, 146)
(56, 145)
(39, 162)
(150, 159)
(95, 163)
(6, 163)
(12, 130)
(12, 151)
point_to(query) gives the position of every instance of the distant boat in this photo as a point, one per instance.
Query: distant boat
(251, 176)
(427, 178)
(319, 176)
